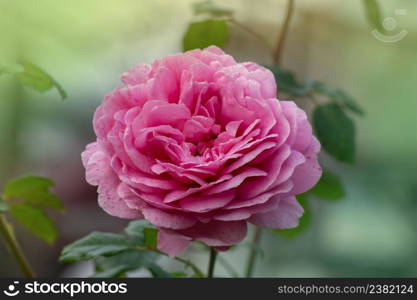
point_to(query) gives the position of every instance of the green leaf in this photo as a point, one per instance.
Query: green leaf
(3, 206)
(347, 101)
(178, 275)
(34, 77)
(335, 130)
(143, 233)
(33, 190)
(328, 187)
(157, 271)
(287, 82)
(208, 7)
(206, 33)
(114, 272)
(95, 244)
(124, 261)
(35, 220)
(373, 14)
(135, 229)
(341, 97)
(151, 236)
(304, 221)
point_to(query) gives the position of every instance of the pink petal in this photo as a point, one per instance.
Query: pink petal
(99, 172)
(236, 180)
(172, 244)
(306, 175)
(285, 215)
(217, 233)
(164, 219)
(207, 203)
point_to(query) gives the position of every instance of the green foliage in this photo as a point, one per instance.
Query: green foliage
(27, 198)
(35, 220)
(135, 229)
(32, 76)
(111, 272)
(115, 254)
(119, 264)
(178, 275)
(208, 7)
(329, 187)
(373, 14)
(151, 236)
(288, 83)
(335, 130)
(304, 221)
(34, 190)
(205, 33)
(96, 244)
(3, 206)
(337, 95)
(157, 271)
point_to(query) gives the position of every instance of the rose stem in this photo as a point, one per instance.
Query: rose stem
(283, 33)
(277, 54)
(212, 262)
(7, 231)
(253, 253)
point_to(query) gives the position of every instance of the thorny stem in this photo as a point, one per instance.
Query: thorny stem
(7, 231)
(186, 262)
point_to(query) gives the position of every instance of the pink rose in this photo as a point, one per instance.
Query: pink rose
(199, 145)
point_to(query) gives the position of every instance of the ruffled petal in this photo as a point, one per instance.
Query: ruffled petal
(285, 215)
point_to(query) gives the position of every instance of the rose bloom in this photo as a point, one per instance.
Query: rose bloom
(199, 145)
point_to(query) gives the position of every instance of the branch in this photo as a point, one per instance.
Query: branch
(283, 34)
(7, 231)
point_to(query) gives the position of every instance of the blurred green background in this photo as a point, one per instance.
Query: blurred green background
(86, 45)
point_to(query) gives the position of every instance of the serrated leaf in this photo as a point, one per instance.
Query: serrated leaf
(287, 82)
(3, 206)
(373, 14)
(328, 187)
(304, 221)
(95, 244)
(124, 261)
(33, 190)
(34, 77)
(151, 236)
(208, 7)
(205, 33)
(335, 130)
(35, 220)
